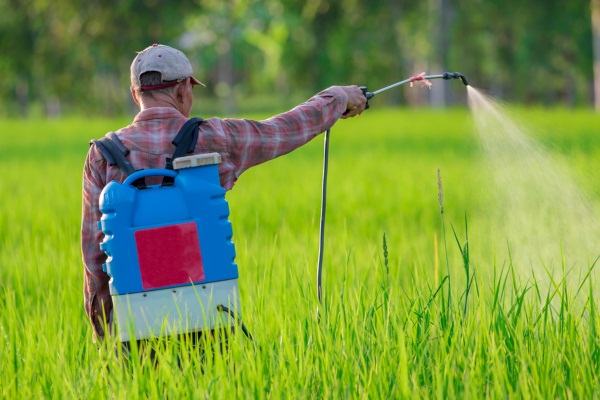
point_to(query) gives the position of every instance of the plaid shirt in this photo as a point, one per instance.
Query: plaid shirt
(242, 144)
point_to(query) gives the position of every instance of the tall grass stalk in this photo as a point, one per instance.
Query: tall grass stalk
(441, 202)
(464, 252)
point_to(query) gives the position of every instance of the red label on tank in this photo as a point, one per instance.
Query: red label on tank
(169, 255)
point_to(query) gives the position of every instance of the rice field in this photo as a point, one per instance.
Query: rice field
(416, 303)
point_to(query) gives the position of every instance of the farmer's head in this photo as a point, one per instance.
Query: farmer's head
(163, 74)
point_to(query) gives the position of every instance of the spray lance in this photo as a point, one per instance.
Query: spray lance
(421, 77)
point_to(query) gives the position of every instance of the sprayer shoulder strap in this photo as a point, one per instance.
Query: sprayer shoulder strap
(185, 141)
(115, 152)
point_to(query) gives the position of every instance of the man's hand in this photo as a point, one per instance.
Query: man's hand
(100, 312)
(356, 101)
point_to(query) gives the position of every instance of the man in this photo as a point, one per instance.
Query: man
(161, 84)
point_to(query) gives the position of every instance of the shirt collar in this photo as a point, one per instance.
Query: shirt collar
(157, 113)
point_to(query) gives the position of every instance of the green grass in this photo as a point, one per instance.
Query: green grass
(386, 328)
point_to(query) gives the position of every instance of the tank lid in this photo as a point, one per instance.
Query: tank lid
(196, 160)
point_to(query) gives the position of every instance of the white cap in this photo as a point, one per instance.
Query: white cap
(171, 63)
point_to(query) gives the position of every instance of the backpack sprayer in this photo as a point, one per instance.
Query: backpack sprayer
(169, 248)
(421, 77)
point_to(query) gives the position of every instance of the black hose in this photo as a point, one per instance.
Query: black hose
(323, 207)
(237, 318)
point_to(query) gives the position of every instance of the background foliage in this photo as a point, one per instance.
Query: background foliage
(71, 56)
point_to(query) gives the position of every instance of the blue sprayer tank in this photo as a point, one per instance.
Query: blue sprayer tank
(170, 255)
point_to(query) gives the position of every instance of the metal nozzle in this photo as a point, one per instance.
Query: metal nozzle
(455, 75)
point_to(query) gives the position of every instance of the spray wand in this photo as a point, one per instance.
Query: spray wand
(421, 77)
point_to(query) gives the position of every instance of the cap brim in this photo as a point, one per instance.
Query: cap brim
(196, 81)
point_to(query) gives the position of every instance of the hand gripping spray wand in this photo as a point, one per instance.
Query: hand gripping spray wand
(421, 77)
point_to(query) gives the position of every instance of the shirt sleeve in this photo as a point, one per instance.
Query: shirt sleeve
(96, 291)
(250, 143)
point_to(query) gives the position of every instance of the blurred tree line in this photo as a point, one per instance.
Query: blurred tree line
(73, 56)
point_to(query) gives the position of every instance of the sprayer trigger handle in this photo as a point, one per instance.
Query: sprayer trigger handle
(367, 94)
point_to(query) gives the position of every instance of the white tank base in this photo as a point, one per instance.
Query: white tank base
(177, 310)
